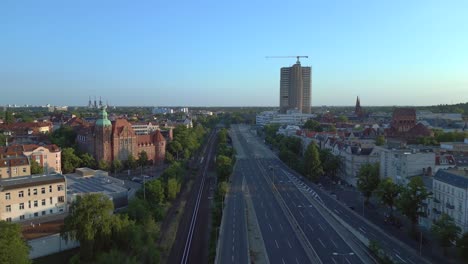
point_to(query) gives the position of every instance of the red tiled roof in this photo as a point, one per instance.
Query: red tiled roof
(159, 137)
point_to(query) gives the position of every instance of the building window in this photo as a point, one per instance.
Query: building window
(36, 214)
(8, 219)
(35, 203)
(29, 192)
(15, 171)
(7, 196)
(20, 194)
(50, 188)
(43, 202)
(60, 187)
(43, 190)
(61, 199)
(24, 170)
(21, 206)
(35, 191)
(21, 217)
(8, 208)
(50, 199)
(51, 211)
(29, 204)
(43, 212)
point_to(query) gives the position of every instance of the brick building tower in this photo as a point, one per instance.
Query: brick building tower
(102, 133)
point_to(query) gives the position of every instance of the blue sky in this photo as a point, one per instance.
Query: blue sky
(212, 53)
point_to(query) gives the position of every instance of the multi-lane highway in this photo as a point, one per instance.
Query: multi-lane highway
(294, 229)
(301, 224)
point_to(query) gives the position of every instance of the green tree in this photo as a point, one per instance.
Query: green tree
(446, 231)
(13, 248)
(90, 222)
(411, 198)
(103, 165)
(9, 117)
(462, 246)
(175, 148)
(368, 179)
(88, 161)
(36, 168)
(70, 161)
(342, 119)
(169, 157)
(312, 125)
(388, 191)
(155, 192)
(312, 165)
(131, 162)
(380, 140)
(222, 136)
(223, 167)
(64, 137)
(223, 188)
(331, 164)
(142, 158)
(117, 165)
(115, 257)
(172, 188)
(3, 139)
(138, 210)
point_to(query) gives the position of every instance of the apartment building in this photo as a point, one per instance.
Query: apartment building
(29, 197)
(14, 166)
(450, 196)
(47, 156)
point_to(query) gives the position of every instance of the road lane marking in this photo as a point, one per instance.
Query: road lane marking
(347, 260)
(276, 243)
(232, 258)
(301, 214)
(323, 245)
(334, 261)
(333, 242)
(336, 211)
(289, 244)
(271, 229)
(297, 261)
(321, 227)
(310, 227)
(283, 261)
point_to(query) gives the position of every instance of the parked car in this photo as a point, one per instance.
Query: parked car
(136, 179)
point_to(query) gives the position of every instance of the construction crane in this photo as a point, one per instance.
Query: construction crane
(277, 57)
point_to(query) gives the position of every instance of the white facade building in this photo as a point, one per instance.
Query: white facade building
(450, 196)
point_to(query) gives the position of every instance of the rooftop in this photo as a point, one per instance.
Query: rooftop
(32, 180)
(99, 183)
(458, 178)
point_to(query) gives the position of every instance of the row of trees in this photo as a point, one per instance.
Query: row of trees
(441, 136)
(72, 160)
(224, 164)
(185, 143)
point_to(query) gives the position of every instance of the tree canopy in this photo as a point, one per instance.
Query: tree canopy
(388, 191)
(368, 179)
(70, 160)
(13, 248)
(312, 164)
(445, 230)
(36, 168)
(411, 199)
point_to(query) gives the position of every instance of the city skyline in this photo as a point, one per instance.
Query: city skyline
(213, 54)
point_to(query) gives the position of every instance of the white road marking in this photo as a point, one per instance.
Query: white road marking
(321, 227)
(297, 261)
(323, 245)
(301, 214)
(283, 261)
(310, 227)
(336, 211)
(271, 229)
(334, 261)
(347, 260)
(400, 258)
(333, 242)
(289, 244)
(362, 230)
(276, 243)
(232, 247)
(232, 258)
(281, 226)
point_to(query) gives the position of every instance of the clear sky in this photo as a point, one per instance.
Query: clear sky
(212, 53)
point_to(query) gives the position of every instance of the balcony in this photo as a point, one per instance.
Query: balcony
(450, 206)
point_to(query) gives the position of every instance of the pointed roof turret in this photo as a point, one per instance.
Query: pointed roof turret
(103, 120)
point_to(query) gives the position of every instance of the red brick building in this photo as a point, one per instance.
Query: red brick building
(404, 125)
(116, 140)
